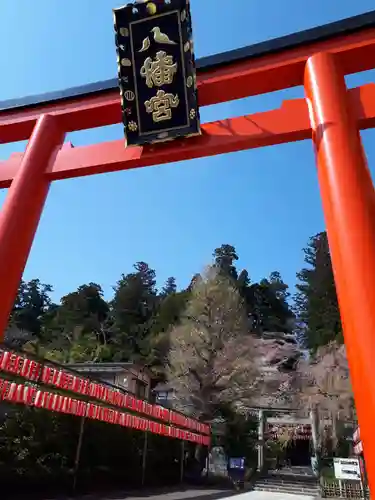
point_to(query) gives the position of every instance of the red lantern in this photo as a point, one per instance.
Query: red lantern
(64, 404)
(38, 399)
(91, 389)
(122, 420)
(34, 370)
(98, 391)
(119, 399)
(69, 405)
(116, 398)
(29, 395)
(110, 396)
(83, 386)
(82, 408)
(5, 355)
(56, 378)
(90, 410)
(46, 374)
(68, 381)
(12, 363)
(12, 395)
(25, 368)
(101, 412)
(116, 417)
(101, 392)
(154, 412)
(80, 386)
(56, 402)
(46, 401)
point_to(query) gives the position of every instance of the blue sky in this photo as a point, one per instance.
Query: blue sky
(265, 202)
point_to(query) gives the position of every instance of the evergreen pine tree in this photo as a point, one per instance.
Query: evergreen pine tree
(316, 305)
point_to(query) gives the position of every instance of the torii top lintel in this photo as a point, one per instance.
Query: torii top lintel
(264, 67)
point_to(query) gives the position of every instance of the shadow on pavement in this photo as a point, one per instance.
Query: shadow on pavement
(180, 493)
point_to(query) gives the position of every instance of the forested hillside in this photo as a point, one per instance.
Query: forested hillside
(135, 324)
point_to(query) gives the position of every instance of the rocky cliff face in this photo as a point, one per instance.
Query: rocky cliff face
(279, 356)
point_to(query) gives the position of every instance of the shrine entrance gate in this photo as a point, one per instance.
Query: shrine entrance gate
(330, 114)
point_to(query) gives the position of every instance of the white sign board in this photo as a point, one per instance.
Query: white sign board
(347, 468)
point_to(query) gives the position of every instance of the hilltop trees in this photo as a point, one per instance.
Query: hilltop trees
(141, 323)
(266, 302)
(224, 259)
(136, 324)
(316, 305)
(29, 312)
(132, 312)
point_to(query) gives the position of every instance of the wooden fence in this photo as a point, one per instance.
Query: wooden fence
(334, 488)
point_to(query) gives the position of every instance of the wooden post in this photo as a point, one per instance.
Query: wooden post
(261, 426)
(144, 458)
(349, 208)
(78, 452)
(315, 440)
(182, 461)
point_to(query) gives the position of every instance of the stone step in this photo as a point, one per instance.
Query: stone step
(292, 491)
(288, 484)
(286, 480)
(294, 477)
(286, 491)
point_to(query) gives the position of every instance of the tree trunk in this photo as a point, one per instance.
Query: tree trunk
(334, 432)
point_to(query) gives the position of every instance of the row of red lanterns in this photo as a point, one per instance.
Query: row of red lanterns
(62, 379)
(32, 396)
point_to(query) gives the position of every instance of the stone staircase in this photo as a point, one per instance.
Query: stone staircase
(296, 480)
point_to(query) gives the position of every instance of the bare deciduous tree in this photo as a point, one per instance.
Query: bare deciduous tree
(324, 384)
(278, 356)
(213, 356)
(16, 337)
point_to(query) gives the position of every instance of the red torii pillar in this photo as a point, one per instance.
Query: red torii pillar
(349, 207)
(20, 215)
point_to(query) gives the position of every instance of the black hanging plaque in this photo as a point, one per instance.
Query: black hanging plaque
(156, 69)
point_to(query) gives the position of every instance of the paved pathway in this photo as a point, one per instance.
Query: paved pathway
(264, 495)
(213, 494)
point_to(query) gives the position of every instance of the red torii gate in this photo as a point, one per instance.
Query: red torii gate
(330, 115)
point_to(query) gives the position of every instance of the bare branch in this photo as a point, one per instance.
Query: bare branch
(213, 357)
